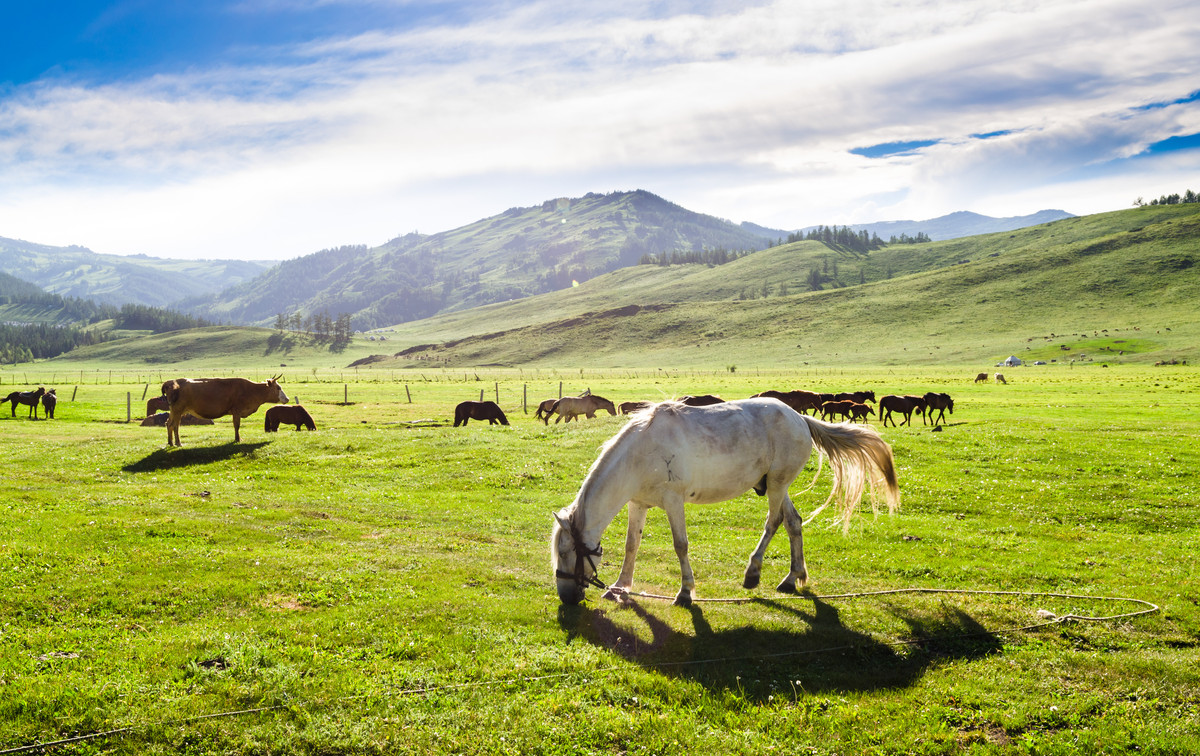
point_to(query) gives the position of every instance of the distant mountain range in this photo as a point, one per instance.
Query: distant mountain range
(957, 225)
(519, 253)
(116, 279)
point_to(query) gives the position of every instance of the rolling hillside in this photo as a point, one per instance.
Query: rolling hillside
(518, 253)
(975, 299)
(1117, 286)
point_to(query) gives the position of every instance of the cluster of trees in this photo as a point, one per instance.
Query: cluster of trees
(320, 327)
(25, 342)
(841, 238)
(1186, 198)
(920, 238)
(718, 256)
(134, 317)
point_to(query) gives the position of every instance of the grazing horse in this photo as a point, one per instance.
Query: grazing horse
(703, 400)
(628, 408)
(287, 414)
(903, 405)
(571, 407)
(801, 401)
(32, 398)
(673, 455)
(470, 410)
(981, 377)
(1000, 379)
(939, 402)
(49, 402)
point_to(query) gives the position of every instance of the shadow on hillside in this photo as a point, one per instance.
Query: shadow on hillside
(166, 459)
(820, 655)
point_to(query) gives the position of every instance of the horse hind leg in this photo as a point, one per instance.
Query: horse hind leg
(775, 517)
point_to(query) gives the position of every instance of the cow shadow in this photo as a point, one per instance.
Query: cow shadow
(819, 655)
(166, 459)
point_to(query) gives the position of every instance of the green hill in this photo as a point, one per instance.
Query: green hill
(1115, 278)
(521, 252)
(1115, 286)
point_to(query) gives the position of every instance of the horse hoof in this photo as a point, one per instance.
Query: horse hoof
(683, 599)
(620, 595)
(751, 581)
(787, 586)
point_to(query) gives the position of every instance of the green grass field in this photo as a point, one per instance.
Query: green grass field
(383, 585)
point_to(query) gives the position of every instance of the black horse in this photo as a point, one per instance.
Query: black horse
(288, 414)
(32, 398)
(49, 401)
(470, 410)
(941, 403)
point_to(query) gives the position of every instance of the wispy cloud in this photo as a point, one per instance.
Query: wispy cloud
(758, 112)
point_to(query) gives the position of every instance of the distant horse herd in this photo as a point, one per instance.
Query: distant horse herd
(850, 406)
(205, 399)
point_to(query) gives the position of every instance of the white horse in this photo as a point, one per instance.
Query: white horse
(670, 455)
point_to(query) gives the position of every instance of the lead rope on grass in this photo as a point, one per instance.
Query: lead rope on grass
(1051, 619)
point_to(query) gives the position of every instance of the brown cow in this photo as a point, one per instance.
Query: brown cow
(287, 414)
(981, 377)
(218, 397)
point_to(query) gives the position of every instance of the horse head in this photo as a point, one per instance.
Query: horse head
(573, 561)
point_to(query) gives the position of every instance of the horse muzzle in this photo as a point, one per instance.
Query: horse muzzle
(569, 593)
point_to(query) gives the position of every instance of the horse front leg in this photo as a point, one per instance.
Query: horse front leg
(675, 516)
(633, 541)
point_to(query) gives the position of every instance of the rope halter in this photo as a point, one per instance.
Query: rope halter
(582, 551)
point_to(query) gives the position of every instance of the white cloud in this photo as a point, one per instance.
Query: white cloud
(748, 113)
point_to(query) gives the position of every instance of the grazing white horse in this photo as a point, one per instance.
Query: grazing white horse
(670, 455)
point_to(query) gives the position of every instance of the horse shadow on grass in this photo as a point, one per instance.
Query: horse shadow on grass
(821, 655)
(167, 459)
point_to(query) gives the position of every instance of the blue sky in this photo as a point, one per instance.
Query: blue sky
(275, 128)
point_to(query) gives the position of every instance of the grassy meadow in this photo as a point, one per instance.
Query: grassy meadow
(383, 585)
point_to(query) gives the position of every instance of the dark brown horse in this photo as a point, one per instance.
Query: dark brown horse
(862, 397)
(49, 402)
(627, 408)
(801, 401)
(287, 414)
(471, 410)
(836, 409)
(32, 398)
(903, 405)
(939, 402)
(703, 400)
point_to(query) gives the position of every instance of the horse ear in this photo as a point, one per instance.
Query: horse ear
(562, 521)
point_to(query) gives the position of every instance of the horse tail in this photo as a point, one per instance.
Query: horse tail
(859, 458)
